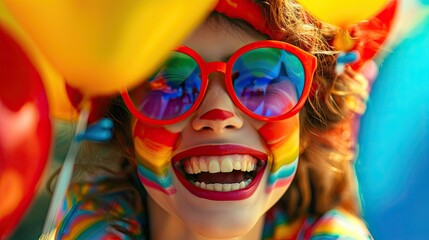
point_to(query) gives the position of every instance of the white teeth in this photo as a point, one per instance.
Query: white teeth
(218, 187)
(226, 164)
(226, 187)
(196, 167)
(210, 187)
(244, 167)
(203, 166)
(249, 167)
(237, 165)
(215, 164)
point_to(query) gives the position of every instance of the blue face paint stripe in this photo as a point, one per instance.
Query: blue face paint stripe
(283, 172)
(163, 181)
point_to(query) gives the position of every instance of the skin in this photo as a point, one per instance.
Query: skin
(177, 213)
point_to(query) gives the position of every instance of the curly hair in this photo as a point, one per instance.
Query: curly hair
(325, 177)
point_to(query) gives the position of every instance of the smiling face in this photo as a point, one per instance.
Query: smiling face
(218, 170)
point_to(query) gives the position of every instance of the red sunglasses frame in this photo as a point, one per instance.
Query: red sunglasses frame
(308, 61)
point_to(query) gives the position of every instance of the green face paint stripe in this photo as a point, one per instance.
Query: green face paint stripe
(283, 172)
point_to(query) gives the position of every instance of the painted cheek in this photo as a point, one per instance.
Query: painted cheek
(154, 147)
(282, 139)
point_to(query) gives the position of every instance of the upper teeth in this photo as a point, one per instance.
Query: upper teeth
(215, 164)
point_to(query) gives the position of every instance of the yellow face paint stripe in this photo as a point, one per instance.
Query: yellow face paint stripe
(286, 151)
(153, 155)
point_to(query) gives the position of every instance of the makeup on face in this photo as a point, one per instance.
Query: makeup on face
(265, 80)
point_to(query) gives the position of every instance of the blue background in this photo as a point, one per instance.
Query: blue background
(393, 161)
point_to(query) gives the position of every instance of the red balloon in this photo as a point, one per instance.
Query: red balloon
(371, 34)
(25, 132)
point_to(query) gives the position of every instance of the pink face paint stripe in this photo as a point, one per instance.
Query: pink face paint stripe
(217, 114)
(148, 183)
(280, 183)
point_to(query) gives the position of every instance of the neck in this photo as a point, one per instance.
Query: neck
(166, 226)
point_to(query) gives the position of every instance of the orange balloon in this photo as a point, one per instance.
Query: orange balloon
(102, 46)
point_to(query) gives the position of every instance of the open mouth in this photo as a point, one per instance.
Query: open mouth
(230, 175)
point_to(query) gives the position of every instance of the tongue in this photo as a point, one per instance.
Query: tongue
(231, 177)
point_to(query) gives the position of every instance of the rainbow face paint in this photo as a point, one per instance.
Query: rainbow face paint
(153, 149)
(219, 169)
(282, 139)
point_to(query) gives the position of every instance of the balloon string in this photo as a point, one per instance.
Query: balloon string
(65, 176)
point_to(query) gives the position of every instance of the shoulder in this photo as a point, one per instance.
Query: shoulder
(111, 214)
(338, 224)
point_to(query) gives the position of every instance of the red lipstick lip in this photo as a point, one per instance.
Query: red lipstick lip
(219, 150)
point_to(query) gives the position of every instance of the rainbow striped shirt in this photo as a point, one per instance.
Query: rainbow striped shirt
(114, 215)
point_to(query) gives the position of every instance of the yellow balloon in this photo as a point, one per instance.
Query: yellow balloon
(342, 13)
(102, 46)
(59, 104)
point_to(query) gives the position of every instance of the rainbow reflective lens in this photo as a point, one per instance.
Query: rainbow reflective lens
(268, 80)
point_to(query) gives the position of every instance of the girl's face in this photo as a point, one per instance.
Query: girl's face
(219, 170)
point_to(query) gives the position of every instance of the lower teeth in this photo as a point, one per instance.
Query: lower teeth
(223, 187)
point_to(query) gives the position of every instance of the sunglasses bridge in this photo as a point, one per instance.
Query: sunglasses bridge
(212, 67)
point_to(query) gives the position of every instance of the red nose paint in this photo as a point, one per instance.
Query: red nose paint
(217, 114)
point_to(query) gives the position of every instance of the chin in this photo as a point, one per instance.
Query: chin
(219, 218)
(222, 229)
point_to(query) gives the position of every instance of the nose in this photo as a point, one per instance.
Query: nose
(217, 113)
(217, 121)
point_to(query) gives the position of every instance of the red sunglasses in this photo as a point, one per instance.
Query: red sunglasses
(267, 80)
